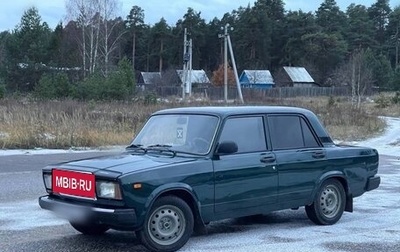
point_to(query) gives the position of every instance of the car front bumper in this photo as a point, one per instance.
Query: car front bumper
(124, 219)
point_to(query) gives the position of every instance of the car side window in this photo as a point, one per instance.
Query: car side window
(247, 132)
(290, 132)
(309, 139)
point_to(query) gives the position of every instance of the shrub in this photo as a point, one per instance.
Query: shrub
(331, 102)
(89, 88)
(382, 101)
(111, 88)
(118, 85)
(124, 68)
(45, 88)
(396, 98)
(53, 86)
(150, 98)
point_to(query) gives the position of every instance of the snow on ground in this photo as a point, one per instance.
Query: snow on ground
(388, 143)
(25, 215)
(40, 151)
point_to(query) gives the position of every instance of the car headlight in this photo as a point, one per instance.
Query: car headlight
(108, 190)
(47, 180)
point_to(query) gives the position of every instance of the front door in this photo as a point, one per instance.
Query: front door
(246, 181)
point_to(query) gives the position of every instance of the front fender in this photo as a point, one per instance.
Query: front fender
(166, 188)
(170, 188)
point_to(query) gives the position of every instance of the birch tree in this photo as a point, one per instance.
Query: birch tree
(109, 30)
(96, 41)
(358, 74)
(86, 15)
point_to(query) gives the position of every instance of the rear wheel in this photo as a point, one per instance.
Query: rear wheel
(168, 225)
(89, 228)
(329, 203)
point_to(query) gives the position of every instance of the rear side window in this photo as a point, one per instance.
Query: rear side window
(309, 139)
(247, 132)
(290, 132)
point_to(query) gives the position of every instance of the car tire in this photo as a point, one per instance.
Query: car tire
(329, 203)
(89, 228)
(168, 225)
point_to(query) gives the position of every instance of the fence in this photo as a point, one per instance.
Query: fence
(217, 93)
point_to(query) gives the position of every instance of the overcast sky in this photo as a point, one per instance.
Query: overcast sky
(53, 11)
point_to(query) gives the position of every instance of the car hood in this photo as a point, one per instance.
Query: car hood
(123, 163)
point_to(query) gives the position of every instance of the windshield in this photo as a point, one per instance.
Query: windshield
(180, 133)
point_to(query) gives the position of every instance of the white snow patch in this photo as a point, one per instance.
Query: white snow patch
(26, 215)
(40, 151)
(388, 143)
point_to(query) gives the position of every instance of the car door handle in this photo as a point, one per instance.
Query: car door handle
(267, 159)
(318, 154)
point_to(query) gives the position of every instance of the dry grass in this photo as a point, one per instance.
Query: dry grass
(52, 124)
(64, 124)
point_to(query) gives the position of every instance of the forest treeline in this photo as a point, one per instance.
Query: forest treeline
(96, 53)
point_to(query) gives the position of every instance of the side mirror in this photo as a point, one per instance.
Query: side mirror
(227, 147)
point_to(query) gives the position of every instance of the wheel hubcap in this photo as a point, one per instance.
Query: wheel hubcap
(166, 225)
(330, 201)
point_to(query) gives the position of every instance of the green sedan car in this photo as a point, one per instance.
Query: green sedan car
(190, 166)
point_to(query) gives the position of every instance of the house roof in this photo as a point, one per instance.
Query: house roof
(299, 74)
(151, 77)
(197, 76)
(258, 76)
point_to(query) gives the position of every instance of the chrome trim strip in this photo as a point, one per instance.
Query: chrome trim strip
(77, 197)
(103, 210)
(70, 170)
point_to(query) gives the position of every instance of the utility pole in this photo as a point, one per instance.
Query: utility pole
(235, 70)
(226, 64)
(185, 60)
(225, 36)
(187, 66)
(227, 42)
(190, 68)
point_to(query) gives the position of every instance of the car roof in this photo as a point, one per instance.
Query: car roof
(225, 111)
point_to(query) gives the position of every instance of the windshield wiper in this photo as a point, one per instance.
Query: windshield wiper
(161, 148)
(136, 147)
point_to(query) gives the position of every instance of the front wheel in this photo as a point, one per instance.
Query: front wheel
(329, 203)
(168, 225)
(89, 228)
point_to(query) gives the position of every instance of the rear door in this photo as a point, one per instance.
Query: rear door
(299, 155)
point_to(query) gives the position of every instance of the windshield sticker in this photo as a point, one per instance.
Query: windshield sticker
(179, 133)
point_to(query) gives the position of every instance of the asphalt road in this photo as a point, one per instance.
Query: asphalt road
(373, 226)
